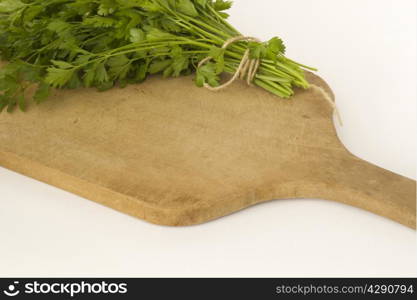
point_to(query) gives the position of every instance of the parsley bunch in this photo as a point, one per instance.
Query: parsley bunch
(101, 43)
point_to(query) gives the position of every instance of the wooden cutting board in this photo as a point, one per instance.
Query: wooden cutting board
(174, 154)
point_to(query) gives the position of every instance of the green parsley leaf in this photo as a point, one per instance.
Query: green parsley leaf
(159, 65)
(221, 5)
(42, 92)
(58, 77)
(136, 35)
(21, 102)
(7, 6)
(187, 7)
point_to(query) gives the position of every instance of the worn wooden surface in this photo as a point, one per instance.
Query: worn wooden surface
(174, 154)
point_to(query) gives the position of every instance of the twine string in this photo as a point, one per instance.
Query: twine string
(248, 69)
(327, 97)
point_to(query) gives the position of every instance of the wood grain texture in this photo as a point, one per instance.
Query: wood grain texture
(174, 154)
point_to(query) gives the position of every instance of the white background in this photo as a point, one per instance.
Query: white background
(366, 50)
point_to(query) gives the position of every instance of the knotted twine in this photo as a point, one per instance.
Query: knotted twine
(248, 68)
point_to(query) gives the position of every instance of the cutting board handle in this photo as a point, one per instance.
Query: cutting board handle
(362, 184)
